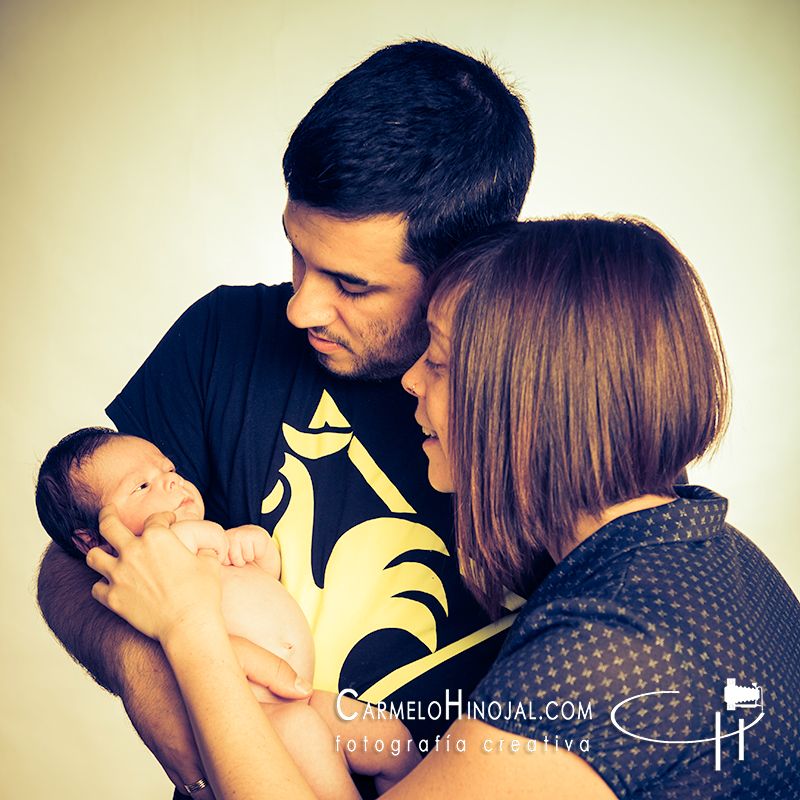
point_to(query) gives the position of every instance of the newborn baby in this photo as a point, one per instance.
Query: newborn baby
(95, 467)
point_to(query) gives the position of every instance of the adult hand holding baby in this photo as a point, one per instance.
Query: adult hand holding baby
(174, 596)
(155, 582)
(158, 585)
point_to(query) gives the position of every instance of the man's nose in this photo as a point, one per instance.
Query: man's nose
(311, 305)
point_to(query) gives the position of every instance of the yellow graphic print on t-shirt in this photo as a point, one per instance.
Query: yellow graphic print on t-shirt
(361, 593)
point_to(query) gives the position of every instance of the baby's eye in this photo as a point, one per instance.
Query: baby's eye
(141, 486)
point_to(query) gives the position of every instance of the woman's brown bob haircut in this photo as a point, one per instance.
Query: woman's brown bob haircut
(586, 369)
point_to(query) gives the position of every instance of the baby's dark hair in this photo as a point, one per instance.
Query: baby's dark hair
(66, 505)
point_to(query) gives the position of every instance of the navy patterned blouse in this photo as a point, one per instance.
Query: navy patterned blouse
(665, 651)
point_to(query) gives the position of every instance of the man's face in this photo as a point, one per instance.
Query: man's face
(361, 304)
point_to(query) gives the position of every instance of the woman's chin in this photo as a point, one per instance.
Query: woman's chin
(440, 478)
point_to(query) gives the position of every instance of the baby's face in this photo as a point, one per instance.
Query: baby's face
(140, 480)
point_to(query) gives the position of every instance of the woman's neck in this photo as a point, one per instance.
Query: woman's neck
(587, 525)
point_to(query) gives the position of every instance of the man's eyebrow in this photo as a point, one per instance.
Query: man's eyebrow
(347, 277)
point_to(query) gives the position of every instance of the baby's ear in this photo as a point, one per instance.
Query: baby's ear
(85, 540)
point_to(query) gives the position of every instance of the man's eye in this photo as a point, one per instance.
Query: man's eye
(352, 289)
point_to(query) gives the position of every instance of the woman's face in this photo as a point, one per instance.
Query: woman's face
(429, 381)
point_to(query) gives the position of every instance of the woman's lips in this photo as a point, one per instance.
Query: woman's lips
(431, 438)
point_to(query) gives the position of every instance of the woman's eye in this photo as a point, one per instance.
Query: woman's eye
(433, 366)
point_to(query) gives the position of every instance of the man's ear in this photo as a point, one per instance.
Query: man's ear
(84, 540)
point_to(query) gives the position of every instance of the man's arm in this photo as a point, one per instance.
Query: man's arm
(121, 660)
(88, 631)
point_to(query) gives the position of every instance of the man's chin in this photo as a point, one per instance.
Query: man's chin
(363, 369)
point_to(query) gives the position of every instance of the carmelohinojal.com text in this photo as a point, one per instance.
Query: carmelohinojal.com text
(457, 709)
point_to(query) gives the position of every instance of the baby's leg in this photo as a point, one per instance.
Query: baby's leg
(311, 745)
(375, 744)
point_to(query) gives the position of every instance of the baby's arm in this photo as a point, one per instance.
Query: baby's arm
(252, 543)
(237, 546)
(202, 534)
(398, 754)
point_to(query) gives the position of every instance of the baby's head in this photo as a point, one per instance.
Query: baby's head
(94, 467)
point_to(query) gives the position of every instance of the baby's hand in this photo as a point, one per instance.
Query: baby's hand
(245, 544)
(251, 543)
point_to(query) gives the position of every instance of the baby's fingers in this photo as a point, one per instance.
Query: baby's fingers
(235, 556)
(248, 551)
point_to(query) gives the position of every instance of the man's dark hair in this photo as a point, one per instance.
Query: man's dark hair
(421, 130)
(66, 505)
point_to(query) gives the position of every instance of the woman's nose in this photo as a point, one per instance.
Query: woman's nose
(411, 381)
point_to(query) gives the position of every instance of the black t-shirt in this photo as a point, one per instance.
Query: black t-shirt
(334, 470)
(660, 617)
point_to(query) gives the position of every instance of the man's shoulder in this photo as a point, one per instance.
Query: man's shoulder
(239, 301)
(245, 317)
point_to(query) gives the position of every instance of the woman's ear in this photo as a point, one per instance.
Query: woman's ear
(85, 540)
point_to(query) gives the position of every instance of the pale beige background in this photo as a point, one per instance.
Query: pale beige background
(140, 147)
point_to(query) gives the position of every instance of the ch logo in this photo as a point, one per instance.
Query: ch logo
(742, 696)
(734, 697)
